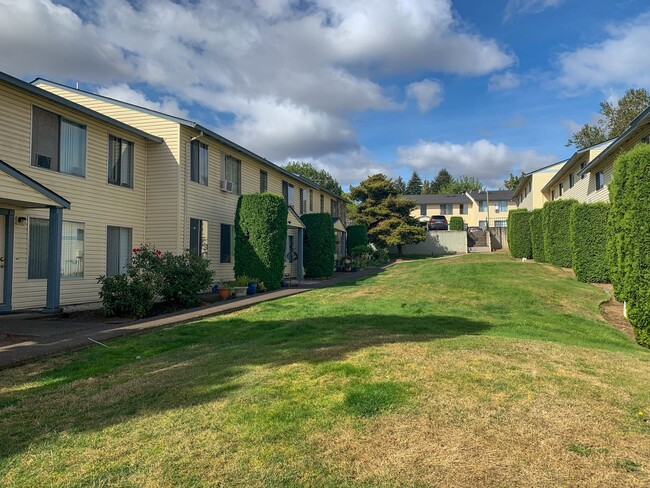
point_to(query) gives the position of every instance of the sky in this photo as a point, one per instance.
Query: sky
(482, 88)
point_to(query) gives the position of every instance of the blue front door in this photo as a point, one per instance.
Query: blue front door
(6, 257)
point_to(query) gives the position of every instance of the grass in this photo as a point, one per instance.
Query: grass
(471, 371)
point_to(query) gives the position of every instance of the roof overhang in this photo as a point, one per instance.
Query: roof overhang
(20, 190)
(338, 225)
(293, 220)
(522, 183)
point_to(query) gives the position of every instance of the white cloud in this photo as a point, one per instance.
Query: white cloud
(123, 92)
(351, 167)
(427, 94)
(482, 159)
(503, 81)
(517, 7)
(618, 60)
(312, 65)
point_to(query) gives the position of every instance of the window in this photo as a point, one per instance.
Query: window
(72, 249)
(525, 192)
(303, 201)
(119, 243)
(226, 245)
(232, 172)
(446, 209)
(582, 165)
(120, 162)
(58, 144)
(287, 193)
(571, 181)
(322, 203)
(553, 195)
(501, 223)
(560, 189)
(311, 200)
(423, 209)
(482, 224)
(463, 209)
(501, 206)
(264, 181)
(199, 237)
(199, 163)
(482, 206)
(334, 208)
(600, 180)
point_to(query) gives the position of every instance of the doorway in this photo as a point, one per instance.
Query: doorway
(6, 257)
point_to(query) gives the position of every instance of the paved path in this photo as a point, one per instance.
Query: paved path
(44, 335)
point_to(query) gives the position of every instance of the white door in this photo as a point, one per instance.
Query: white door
(3, 263)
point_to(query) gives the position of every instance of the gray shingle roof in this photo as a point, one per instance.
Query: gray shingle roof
(439, 198)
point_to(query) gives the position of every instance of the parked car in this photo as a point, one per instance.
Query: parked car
(438, 222)
(474, 229)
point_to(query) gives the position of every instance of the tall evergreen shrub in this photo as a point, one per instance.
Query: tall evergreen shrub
(629, 236)
(357, 236)
(320, 245)
(537, 235)
(456, 223)
(557, 232)
(260, 238)
(519, 241)
(589, 239)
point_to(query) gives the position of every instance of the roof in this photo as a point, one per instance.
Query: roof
(640, 119)
(526, 176)
(573, 159)
(56, 199)
(492, 195)
(194, 125)
(20, 84)
(439, 198)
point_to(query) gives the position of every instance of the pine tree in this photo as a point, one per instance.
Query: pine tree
(400, 186)
(414, 186)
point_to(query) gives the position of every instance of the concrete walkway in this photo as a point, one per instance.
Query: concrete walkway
(28, 336)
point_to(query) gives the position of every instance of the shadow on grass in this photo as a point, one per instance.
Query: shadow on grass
(189, 365)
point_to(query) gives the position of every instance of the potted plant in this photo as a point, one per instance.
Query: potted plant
(252, 286)
(224, 290)
(347, 264)
(241, 286)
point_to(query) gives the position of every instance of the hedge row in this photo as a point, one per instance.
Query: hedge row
(519, 240)
(456, 223)
(320, 245)
(629, 237)
(260, 238)
(558, 247)
(589, 239)
(537, 235)
(357, 236)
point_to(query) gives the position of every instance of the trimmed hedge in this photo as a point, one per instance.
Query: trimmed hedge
(320, 245)
(557, 232)
(357, 236)
(456, 223)
(537, 235)
(589, 239)
(519, 241)
(629, 237)
(260, 238)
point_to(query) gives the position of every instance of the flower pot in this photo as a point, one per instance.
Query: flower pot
(240, 291)
(224, 293)
(252, 288)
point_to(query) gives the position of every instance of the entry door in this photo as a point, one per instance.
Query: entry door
(6, 257)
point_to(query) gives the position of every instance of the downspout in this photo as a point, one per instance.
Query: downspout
(187, 169)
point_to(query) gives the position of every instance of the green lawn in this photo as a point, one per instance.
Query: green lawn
(471, 371)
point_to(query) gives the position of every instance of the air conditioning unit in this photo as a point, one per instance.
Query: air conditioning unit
(496, 209)
(226, 186)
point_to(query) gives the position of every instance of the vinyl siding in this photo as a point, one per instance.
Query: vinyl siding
(94, 201)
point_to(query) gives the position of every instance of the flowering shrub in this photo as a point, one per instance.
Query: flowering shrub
(152, 274)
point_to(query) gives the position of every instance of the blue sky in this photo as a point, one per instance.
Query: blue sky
(483, 88)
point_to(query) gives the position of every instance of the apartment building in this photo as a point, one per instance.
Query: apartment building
(528, 193)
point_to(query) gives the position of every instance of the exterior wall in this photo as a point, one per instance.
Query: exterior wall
(438, 243)
(473, 215)
(581, 187)
(539, 179)
(94, 201)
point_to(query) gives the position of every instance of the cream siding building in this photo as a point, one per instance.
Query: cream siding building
(528, 193)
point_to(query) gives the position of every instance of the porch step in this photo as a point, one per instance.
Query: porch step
(479, 249)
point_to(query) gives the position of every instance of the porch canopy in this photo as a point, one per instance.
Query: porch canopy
(19, 190)
(294, 223)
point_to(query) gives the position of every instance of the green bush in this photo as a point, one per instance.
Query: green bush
(557, 232)
(629, 237)
(357, 236)
(184, 277)
(537, 235)
(456, 223)
(320, 245)
(589, 240)
(260, 238)
(519, 241)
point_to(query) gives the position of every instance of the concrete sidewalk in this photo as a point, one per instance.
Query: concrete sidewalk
(25, 337)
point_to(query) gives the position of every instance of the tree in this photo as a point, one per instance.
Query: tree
(414, 186)
(400, 186)
(443, 179)
(462, 184)
(318, 176)
(427, 187)
(615, 118)
(386, 213)
(513, 181)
